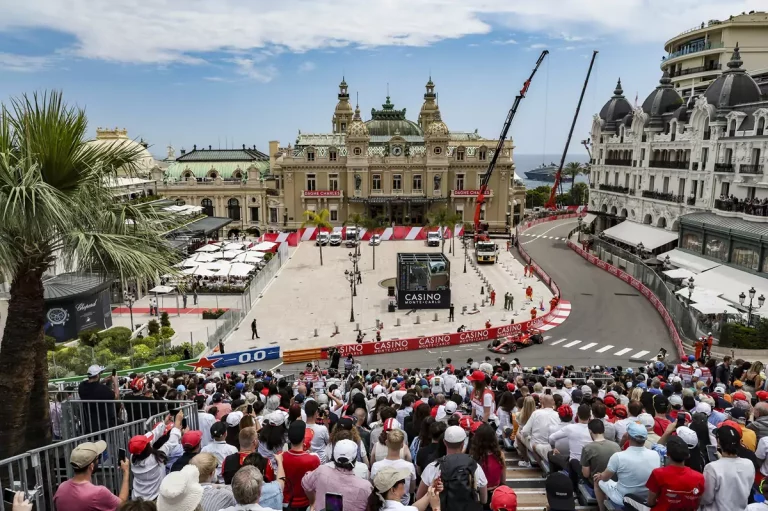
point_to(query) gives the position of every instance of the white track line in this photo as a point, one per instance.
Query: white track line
(587, 346)
(572, 343)
(604, 348)
(558, 342)
(547, 337)
(620, 353)
(640, 354)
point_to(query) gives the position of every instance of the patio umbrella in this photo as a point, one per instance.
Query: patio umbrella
(239, 270)
(229, 254)
(252, 257)
(264, 246)
(233, 246)
(208, 248)
(204, 272)
(200, 258)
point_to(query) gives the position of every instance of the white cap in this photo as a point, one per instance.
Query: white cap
(234, 418)
(675, 400)
(450, 407)
(455, 435)
(704, 408)
(378, 389)
(210, 387)
(586, 390)
(688, 436)
(646, 419)
(344, 450)
(475, 365)
(95, 370)
(275, 418)
(397, 397)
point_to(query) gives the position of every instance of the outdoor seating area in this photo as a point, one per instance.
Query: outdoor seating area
(755, 206)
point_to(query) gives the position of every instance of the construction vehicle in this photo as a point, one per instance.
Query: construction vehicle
(481, 229)
(558, 185)
(485, 251)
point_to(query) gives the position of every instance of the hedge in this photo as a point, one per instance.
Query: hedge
(735, 335)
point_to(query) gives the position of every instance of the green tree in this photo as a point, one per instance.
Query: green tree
(537, 197)
(321, 220)
(572, 170)
(374, 225)
(579, 193)
(54, 206)
(454, 218)
(442, 218)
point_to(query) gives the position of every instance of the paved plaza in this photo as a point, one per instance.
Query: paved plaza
(305, 297)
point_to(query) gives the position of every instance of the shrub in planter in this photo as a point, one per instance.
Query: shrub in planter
(213, 313)
(734, 335)
(154, 327)
(268, 256)
(89, 337)
(167, 332)
(164, 320)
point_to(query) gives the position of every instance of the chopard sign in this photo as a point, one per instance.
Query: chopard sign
(85, 306)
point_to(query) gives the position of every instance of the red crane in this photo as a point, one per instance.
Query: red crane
(500, 146)
(553, 194)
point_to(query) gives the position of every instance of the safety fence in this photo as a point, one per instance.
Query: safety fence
(39, 472)
(659, 304)
(577, 376)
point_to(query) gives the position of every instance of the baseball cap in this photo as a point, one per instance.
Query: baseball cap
(609, 401)
(138, 443)
(687, 435)
(620, 411)
(387, 477)
(191, 438)
(217, 397)
(345, 451)
(728, 437)
(296, 432)
(84, 454)
(504, 498)
(511, 387)
(455, 434)
(586, 390)
(577, 394)
(560, 492)
(239, 385)
(637, 431)
(346, 422)
(234, 418)
(450, 407)
(737, 413)
(476, 376)
(390, 424)
(738, 383)
(739, 396)
(181, 388)
(762, 395)
(218, 429)
(210, 387)
(475, 426)
(677, 448)
(704, 408)
(276, 418)
(95, 370)
(397, 397)
(660, 403)
(675, 400)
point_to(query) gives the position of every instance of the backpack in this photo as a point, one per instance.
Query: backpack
(457, 472)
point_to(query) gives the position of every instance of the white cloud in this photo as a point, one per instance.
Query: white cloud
(187, 31)
(473, 45)
(307, 66)
(505, 41)
(24, 63)
(569, 48)
(254, 69)
(537, 46)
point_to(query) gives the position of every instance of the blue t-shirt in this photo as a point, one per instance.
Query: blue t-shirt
(633, 468)
(271, 496)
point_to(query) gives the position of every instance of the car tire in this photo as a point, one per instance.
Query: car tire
(513, 348)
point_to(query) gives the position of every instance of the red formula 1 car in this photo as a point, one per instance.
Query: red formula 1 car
(511, 343)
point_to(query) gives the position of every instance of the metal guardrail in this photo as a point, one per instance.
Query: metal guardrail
(47, 467)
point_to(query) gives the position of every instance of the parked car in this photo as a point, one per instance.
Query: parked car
(322, 238)
(433, 239)
(335, 239)
(375, 240)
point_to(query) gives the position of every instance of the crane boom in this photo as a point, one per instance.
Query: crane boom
(553, 194)
(500, 145)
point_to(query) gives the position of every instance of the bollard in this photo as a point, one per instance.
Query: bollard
(418, 320)
(378, 325)
(357, 326)
(475, 304)
(398, 322)
(435, 317)
(463, 309)
(315, 332)
(335, 329)
(482, 290)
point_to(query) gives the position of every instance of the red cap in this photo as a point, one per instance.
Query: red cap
(494, 377)
(511, 387)
(565, 411)
(137, 444)
(391, 424)
(620, 411)
(475, 426)
(466, 422)
(762, 395)
(739, 396)
(191, 438)
(476, 376)
(735, 425)
(609, 401)
(504, 498)
(309, 434)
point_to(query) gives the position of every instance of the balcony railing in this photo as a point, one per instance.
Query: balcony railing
(695, 48)
(669, 164)
(693, 70)
(665, 196)
(750, 169)
(625, 163)
(614, 188)
(723, 167)
(691, 201)
(755, 208)
(273, 192)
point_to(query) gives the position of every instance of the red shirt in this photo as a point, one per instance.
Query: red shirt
(297, 464)
(676, 488)
(660, 425)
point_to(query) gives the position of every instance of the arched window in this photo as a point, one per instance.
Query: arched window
(207, 205)
(761, 126)
(187, 174)
(212, 174)
(233, 209)
(237, 175)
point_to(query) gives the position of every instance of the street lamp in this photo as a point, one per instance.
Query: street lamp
(350, 276)
(354, 257)
(690, 290)
(464, 240)
(750, 308)
(130, 299)
(580, 220)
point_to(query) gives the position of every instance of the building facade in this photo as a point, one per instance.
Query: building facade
(388, 167)
(696, 57)
(689, 165)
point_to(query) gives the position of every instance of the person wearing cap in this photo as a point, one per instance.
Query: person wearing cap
(727, 481)
(98, 416)
(391, 490)
(148, 462)
(542, 423)
(748, 437)
(380, 449)
(675, 486)
(482, 398)
(190, 442)
(395, 439)
(297, 461)
(632, 467)
(504, 499)
(219, 447)
(79, 493)
(338, 478)
(454, 439)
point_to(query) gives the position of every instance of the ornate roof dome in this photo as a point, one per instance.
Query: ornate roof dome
(615, 109)
(663, 100)
(734, 86)
(437, 128)
(389, 122)
(357, 128)
(119, 138)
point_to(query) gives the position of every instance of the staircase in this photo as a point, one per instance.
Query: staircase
(528, 484)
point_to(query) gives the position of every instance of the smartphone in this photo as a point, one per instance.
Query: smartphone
(712, 453)
(680, 420)
(334, 502)
(121, 454)
(184, 423)
(249, 410)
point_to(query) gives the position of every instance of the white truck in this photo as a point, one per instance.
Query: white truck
(434, 239)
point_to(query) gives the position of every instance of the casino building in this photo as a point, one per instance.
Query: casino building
(386, 166)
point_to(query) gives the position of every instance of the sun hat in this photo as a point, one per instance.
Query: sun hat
(84, 454)
(387, 477)
(180, 491)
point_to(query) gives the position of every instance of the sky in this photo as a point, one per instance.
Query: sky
(233, 72)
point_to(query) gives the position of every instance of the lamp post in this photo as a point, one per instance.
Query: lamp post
(130, 299)
(690, 290)
(750, 308)
(464, 240)
(350, 276)
(580, 220)
(354, 257)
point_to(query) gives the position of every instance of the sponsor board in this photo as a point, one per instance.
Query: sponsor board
(423, 299)
(245, 357)
(322, 193)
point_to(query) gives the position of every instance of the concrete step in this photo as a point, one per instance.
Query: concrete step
(535, 499)
(524, 478)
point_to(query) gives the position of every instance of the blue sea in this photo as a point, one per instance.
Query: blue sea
(526, 162)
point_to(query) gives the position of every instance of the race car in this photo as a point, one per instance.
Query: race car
(511, 343)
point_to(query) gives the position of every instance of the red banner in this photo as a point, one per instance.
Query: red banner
(629, 279)
(322, 193)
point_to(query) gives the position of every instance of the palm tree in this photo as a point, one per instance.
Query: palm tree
(374, 225)
(454, 218)
(56, 208)
(442, 218)
(321, 220)
(572, 170)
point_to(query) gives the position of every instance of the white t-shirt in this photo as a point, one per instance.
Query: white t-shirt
(762, 453)
(393, 504)
(320, 440)
(478, 407)
(400, 464)
(577, 435)
(431, 472)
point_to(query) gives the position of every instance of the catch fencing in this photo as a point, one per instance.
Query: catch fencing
(41, 471)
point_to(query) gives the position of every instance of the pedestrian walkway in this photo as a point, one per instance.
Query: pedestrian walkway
(169, 310)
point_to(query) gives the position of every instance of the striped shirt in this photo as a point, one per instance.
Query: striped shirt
(216, 497)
